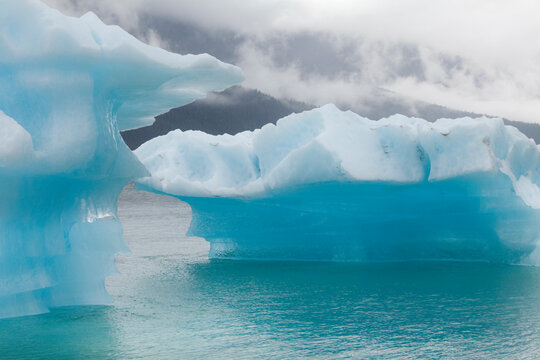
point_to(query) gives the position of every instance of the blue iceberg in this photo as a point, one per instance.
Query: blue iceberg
(331, 185)
(67, 86)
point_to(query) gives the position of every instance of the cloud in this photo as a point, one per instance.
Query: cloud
(481, 56)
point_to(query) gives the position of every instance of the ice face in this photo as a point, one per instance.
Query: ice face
(67, 86)
(331, 185)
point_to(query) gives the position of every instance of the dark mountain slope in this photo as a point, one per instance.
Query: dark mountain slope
(231, 111)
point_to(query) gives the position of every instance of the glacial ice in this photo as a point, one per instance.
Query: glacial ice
(67, 86)
(331, 185)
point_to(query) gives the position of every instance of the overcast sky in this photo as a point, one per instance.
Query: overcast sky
(480, 56)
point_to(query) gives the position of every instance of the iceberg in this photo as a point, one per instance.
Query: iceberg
(332, 185)
(67, 87)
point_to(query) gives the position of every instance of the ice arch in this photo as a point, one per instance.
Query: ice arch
(67, 86)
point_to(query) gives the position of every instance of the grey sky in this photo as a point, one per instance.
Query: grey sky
(481, 56)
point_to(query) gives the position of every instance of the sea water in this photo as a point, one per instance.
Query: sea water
(172, 302)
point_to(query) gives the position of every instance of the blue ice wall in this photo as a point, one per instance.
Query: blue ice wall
(463, 219)
(331, 185)
(67, 86)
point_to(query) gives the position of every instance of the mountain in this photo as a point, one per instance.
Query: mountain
(231, 111)
(238, 109)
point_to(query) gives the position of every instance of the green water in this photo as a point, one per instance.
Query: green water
(171, 302)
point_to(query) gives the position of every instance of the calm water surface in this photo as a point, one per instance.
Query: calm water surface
(171, 302)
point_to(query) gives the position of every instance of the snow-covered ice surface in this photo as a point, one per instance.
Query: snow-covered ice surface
(331, 185)
(67, 86)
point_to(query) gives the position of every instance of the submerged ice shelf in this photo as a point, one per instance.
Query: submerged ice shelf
(67, 86)
(331, 185)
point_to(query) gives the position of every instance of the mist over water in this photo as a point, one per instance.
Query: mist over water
(172, 302)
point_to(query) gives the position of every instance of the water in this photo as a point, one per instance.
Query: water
(171, 302)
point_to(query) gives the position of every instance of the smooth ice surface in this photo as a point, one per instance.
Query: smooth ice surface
(331, 185)
(67, 86)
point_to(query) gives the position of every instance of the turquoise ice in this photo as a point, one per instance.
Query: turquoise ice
(331, 185)
(321, 185)
(67, 86)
